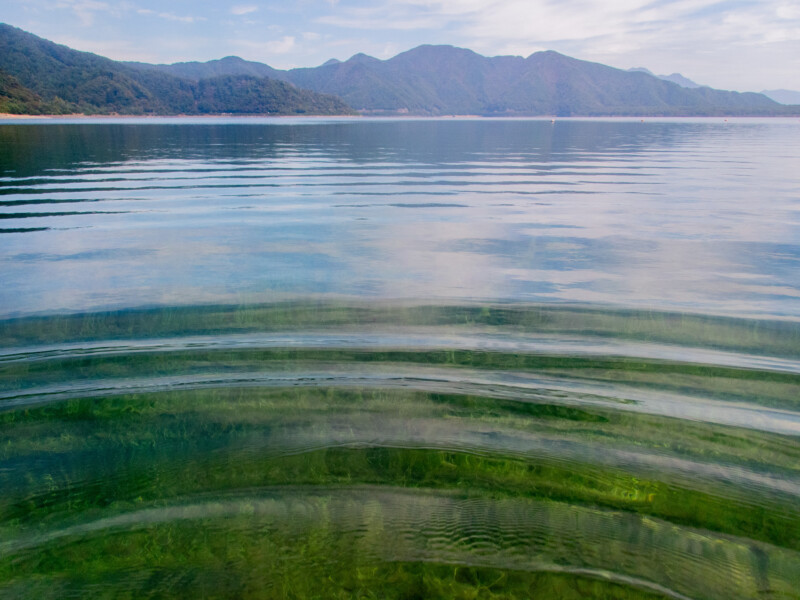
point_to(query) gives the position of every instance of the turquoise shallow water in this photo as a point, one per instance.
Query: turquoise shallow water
(417, 358)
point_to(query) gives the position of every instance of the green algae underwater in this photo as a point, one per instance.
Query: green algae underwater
(405, 358)
(324, 450)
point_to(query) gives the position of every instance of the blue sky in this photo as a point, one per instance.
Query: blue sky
(737, 44)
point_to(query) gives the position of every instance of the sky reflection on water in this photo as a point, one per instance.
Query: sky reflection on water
(697, 215)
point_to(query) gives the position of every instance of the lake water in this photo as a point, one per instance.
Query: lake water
(356, 358)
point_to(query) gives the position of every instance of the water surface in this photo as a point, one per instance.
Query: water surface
(354, 358)
(697, 215)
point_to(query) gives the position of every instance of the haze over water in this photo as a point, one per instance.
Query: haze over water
(355, 358)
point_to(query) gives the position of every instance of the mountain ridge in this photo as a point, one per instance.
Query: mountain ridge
(674, 78)
(789, 97)
(443, 80)
(39, 76)
(195, 70)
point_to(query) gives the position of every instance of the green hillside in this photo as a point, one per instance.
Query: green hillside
(43, 77)
(16, 98)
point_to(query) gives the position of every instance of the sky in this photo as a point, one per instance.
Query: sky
(741, 45)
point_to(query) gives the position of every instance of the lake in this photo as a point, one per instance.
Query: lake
(400, 358)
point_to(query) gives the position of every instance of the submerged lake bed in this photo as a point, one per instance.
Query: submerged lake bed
(400, 358)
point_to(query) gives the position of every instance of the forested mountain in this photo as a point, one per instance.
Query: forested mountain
(441, 80)
(38, 76)
(230, 65)
(447, 80)
(16, 98)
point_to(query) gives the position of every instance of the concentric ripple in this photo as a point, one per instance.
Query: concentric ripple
(514, 450)
(357, 358)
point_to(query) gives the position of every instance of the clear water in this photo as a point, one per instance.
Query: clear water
(362, 358)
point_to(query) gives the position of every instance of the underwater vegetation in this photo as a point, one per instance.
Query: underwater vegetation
(323, 450)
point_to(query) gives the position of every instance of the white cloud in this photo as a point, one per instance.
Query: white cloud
(373, 20)
(85, 9)
(182, 19)
(244, 9)
(170, 16)
(788, 11)
(281, 46)
(263, 50)
(389, 50)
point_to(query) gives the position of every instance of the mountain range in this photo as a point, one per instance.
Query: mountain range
(783, 96)
(779, 96)
(674, 78)
(38, 76)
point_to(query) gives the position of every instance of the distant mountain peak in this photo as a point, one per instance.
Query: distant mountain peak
(331, 61)
(680, 80)
(438, 49)
(790, 97)
(549, 54)
(443, 55)
(674, 77)
(362, 58)
(228, 65)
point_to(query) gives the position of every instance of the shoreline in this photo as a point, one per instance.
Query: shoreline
(11, 116)
(7, 117)
(23, 117)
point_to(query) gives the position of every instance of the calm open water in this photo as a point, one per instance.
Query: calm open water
(354, 358)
